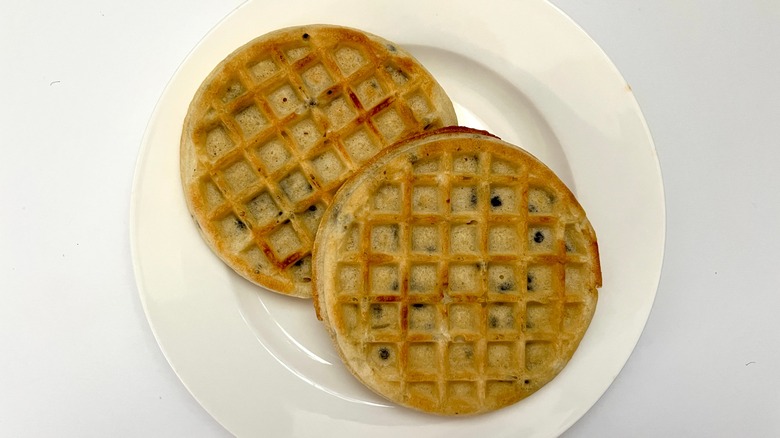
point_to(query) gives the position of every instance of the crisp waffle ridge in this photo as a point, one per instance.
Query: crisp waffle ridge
(456, 273)
(279, 125)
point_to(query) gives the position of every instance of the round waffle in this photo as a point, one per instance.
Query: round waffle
(276, 128)
(456, 273)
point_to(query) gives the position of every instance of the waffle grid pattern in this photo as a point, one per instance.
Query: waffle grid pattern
(272, 160)
(461, 301)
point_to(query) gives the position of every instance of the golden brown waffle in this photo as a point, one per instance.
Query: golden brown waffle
(278, 126)
(456, 273)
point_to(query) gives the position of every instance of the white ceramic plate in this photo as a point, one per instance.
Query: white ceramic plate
(261, 363)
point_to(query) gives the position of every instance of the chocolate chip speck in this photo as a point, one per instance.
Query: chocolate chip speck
(538, 237)
(532, 208)
(417, 305)
(384, 353)
(530, 282)
(306, 36)
(495, 201)
(313, 208)
(505, 286)
(240, 224)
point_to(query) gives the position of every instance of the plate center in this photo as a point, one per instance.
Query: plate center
(287, 327)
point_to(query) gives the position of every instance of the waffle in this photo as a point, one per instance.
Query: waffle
(276, 128)
(456, 274)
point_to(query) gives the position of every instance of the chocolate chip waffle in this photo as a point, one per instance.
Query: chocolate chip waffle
(278, 126)
(456, 273)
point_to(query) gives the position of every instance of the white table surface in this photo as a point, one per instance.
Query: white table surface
(80, 80)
